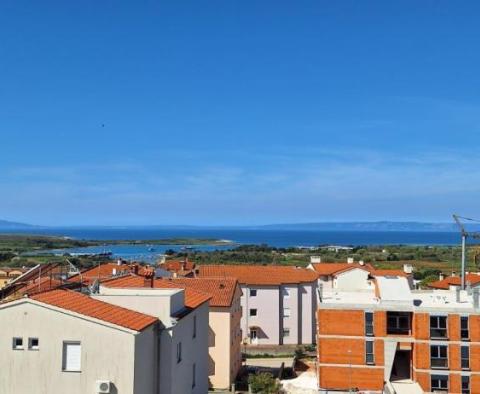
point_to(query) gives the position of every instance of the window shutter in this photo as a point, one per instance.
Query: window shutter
(72, 356)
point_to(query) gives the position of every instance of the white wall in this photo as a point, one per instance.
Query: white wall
(107, 353)
(176, 378)
(354, 279)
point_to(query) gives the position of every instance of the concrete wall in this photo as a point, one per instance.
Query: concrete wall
(176, 378)
(351, 280)
(271, 303)
(107, 353)
(267, 321)
(225, 339)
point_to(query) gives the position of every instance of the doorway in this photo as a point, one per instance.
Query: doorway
(401, 369)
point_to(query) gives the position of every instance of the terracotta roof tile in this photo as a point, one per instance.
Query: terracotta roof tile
(328, 269)
(177, 265)
(455, 281)
(87, 306)
(193, 298)
(40, 285)
(222, 290)
(101, 272)
(260, 274)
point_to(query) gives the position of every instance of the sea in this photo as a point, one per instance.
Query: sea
(274, 238)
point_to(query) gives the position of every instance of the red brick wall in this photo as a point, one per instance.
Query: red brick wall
(380, 324)
(454, 357)
(475, 358)
(335, 351)
(423, 379)
(340, 377)
(341, 322)
(421, 326)
(475, 384)
(421, 355)
(453, 327)
(475, 328)
(454, 383)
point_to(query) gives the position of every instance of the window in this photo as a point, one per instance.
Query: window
(253, 292)
(286, 293)
(438, 326)
(369, 323)
(439, 383)
(17, 343)
(179, 352)
(438, 356)
(72, 355)
(465, 356)
(465, 384)
(286, 312)
(194, 326)
(286, 332)
(464, 334)
(33, 343)
(398, 323)
(253, 312)
(369, 356)
(193, 375)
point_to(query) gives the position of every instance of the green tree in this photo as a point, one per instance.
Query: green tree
(263, 383)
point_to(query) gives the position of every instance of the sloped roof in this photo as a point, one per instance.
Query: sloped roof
(40, 285)
(193, 298)
(474, 279)
(260, 274)
(222, 290)
(177, 265)
(328, 269)
(87, 306)
(101, 272)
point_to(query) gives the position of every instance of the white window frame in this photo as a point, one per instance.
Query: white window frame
(64, 356)
(369, 360)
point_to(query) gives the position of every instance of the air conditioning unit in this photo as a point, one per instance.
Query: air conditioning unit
(103, 386)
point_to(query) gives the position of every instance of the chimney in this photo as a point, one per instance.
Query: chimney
(454, 273)
(468, 287)
(407, 268)
(114, 271)
(149, 278)
(441, 276)
(475, 299)
(361, 262)
(315, 259)
(457, 293)
(119, 262)
(350, 260)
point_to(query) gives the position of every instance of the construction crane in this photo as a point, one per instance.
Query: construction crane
(465, 234)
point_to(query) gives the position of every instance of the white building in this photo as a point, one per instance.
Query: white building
(66, 342)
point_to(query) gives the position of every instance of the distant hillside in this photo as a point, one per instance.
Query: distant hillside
(370, 226)
(6, 225)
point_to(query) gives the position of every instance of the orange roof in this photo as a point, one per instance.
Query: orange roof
(327, 269)
(102, 271)
(40, 285)
(177, 265)
(455, 281)
(386, 272)
(87, 306)
(222, 290)
(193, 298)
(260, 274)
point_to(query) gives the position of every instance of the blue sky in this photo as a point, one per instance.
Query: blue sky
(238, 112)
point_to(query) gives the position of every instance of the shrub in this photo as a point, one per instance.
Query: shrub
(263, 383)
